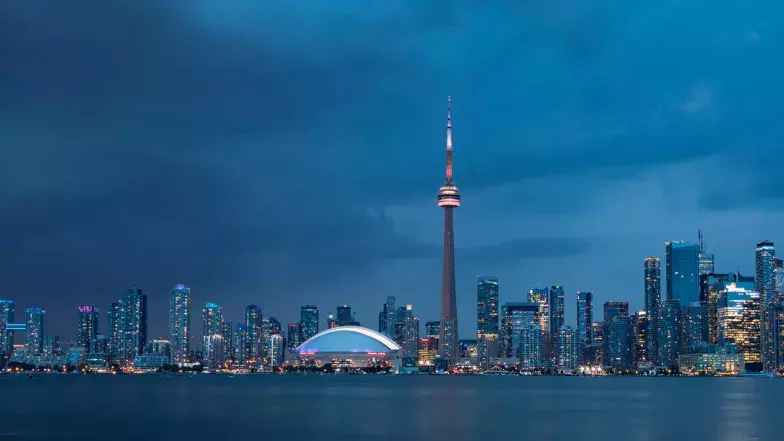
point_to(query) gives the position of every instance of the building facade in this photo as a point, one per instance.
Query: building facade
(652, 272)
(683, 279)
(309, 318)
(253, 339)
(668, 334)
(516, 316)
(487, 334)
(87, 328)
(567, 350)
(133, 325)
(180, 323)
(34, 331)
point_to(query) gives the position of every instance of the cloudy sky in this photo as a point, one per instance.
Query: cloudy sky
(288, 153)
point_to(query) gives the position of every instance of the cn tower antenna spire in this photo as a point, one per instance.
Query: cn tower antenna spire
(448, 139)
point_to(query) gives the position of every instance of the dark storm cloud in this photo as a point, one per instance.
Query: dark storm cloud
(255, 145)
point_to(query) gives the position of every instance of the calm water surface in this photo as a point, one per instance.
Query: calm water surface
(326, 408)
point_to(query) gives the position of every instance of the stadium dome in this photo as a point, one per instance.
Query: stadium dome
(350, 346)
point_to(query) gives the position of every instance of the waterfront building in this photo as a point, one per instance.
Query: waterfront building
(239, 343)
(133, 325)
(711, 359)
(448, 199)
(212, 335)
(556, 299)
(775, 327)
(428, 349)
(529, 352)
(611, 310)
(487, 333)
(668, 334)
(652, 273)
(516, 316)
(641, 325)
(567, 350)
(227, 332)
(275, 350)
(253, 342)
(341, 343)
(620, 343)
(739, 320)
(539, 296)
(765, 265)
(710, 286)
(294, 335)
(34, 331)
(161, 347)
(309, 319)
(683, 280)
(432, 328)
(87, 329)
(585, 317)
(180, 323)
(694, 319)
(114, 340)
(7, 312)
(467, 349)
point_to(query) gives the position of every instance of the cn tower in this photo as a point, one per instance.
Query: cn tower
(449, 199)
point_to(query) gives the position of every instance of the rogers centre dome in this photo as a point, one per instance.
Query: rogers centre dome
(350, 345)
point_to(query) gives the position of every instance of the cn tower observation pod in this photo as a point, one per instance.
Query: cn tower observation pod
(350, 346)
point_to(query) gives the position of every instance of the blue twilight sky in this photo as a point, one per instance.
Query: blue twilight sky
(287, 153)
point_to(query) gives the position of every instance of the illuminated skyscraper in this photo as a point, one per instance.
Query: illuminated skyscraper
(212, 334)
(567, 349)
(539, 296)
(114, 339)
(556, 307)
(668, 334)
(34, 332)
(133, 325)
(694, 322)
(253, 341)
(87, 329)
(449, 199)
(766, 286)
(238, 342)
(652, 273)
(294, 335)
(515, 317)
(584, 317)
(487, 319)
(620, 342)
(160, 347)
(275, 350)
(529, 352)
(7, 310)
(309, 318)
(710, 286)
(776, 329)
(611, 310)
(180, 323)
(683, 280)
(227, 333)
(739, 319)
(641, 332)
(432, 329)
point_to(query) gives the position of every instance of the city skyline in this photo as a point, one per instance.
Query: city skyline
(130, 176)
(368, 318)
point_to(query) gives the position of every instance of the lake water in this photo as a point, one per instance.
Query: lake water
(327, 408)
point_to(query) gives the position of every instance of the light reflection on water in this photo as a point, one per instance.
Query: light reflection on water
(383, 408)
